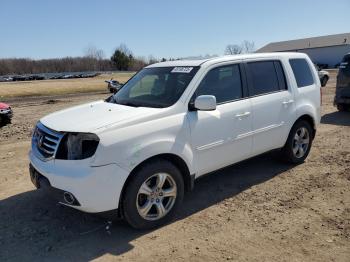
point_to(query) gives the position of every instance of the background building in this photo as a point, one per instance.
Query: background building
(323, 50)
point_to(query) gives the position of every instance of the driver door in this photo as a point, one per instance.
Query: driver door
(223, 136)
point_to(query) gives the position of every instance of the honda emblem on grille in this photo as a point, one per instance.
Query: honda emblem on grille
(40, 139)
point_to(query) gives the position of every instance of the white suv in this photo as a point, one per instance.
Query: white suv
(136, 153)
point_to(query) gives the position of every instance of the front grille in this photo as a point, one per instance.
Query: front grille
(45, 142)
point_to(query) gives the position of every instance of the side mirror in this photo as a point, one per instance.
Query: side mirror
(205, 103)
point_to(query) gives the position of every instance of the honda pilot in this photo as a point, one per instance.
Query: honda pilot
(136, 154)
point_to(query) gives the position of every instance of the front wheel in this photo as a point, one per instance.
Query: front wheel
(299, 143)
(153, 195)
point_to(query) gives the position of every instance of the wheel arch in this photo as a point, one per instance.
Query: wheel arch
(188, 178)
(308, 118)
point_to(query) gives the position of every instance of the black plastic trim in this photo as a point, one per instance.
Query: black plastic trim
(41, 182)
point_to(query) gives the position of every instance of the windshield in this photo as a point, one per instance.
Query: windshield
(155, 87)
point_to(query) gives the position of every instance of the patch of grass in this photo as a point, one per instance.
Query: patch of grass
(59, 86)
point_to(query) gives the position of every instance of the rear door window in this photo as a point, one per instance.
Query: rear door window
(265, 77)
(302, 72)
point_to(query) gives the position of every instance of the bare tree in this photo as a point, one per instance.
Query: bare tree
(93, 52)
(233, 50)
(152, 60)
(124, 49)
(244, 48)
(248, 46)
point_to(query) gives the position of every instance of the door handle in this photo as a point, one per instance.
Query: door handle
(288, 102)
(245, 114)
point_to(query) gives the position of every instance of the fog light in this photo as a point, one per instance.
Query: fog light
(69, 198)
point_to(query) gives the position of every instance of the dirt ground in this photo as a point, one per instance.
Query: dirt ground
(258, 210)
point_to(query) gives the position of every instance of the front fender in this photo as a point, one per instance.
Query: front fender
(130, 146)
(141, 152)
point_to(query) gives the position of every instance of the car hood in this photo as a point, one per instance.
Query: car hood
(93, 116)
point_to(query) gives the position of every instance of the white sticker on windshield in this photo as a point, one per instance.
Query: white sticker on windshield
(181, 69)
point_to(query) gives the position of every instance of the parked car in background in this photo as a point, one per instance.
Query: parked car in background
(171, 123)
(342, 92)
(6, 79)
(323, 75)
(113, 86)
(5, 113)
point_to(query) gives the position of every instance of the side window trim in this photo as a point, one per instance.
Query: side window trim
(244, 80)
(281, 75)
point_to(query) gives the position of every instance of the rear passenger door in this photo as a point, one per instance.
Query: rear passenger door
(273, 108)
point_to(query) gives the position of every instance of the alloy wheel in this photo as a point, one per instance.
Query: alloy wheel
(301, 142)
(156, 196)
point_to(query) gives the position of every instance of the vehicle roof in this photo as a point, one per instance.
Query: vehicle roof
(226, 58)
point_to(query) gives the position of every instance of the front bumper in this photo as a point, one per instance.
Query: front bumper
(95, 189)
(43, 183)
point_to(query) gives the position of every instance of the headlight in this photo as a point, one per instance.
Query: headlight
(77, 146)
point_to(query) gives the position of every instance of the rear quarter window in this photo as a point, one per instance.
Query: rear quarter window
(302, 72)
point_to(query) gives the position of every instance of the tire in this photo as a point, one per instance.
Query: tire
(296, 150)
(324, 81)
(152, 209)
(342, 107)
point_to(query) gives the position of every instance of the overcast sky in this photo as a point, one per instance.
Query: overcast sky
(178, 28)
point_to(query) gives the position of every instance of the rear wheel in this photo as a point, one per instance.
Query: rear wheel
(153, 195)
(342, 107)
(299, 143)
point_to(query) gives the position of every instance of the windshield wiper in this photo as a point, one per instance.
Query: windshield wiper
(138, 104)
(128, 103)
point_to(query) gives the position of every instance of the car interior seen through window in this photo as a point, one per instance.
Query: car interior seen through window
(155, 87)
(266, 77)
(222, 82)
(302, 72)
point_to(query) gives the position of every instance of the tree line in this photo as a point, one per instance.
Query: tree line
(94, 60)
(20, 66)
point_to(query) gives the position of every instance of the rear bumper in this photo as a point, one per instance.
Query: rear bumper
(342, 95)
(95, 189)
(341, 100)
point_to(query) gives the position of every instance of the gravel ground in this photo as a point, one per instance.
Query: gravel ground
(258, 210)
